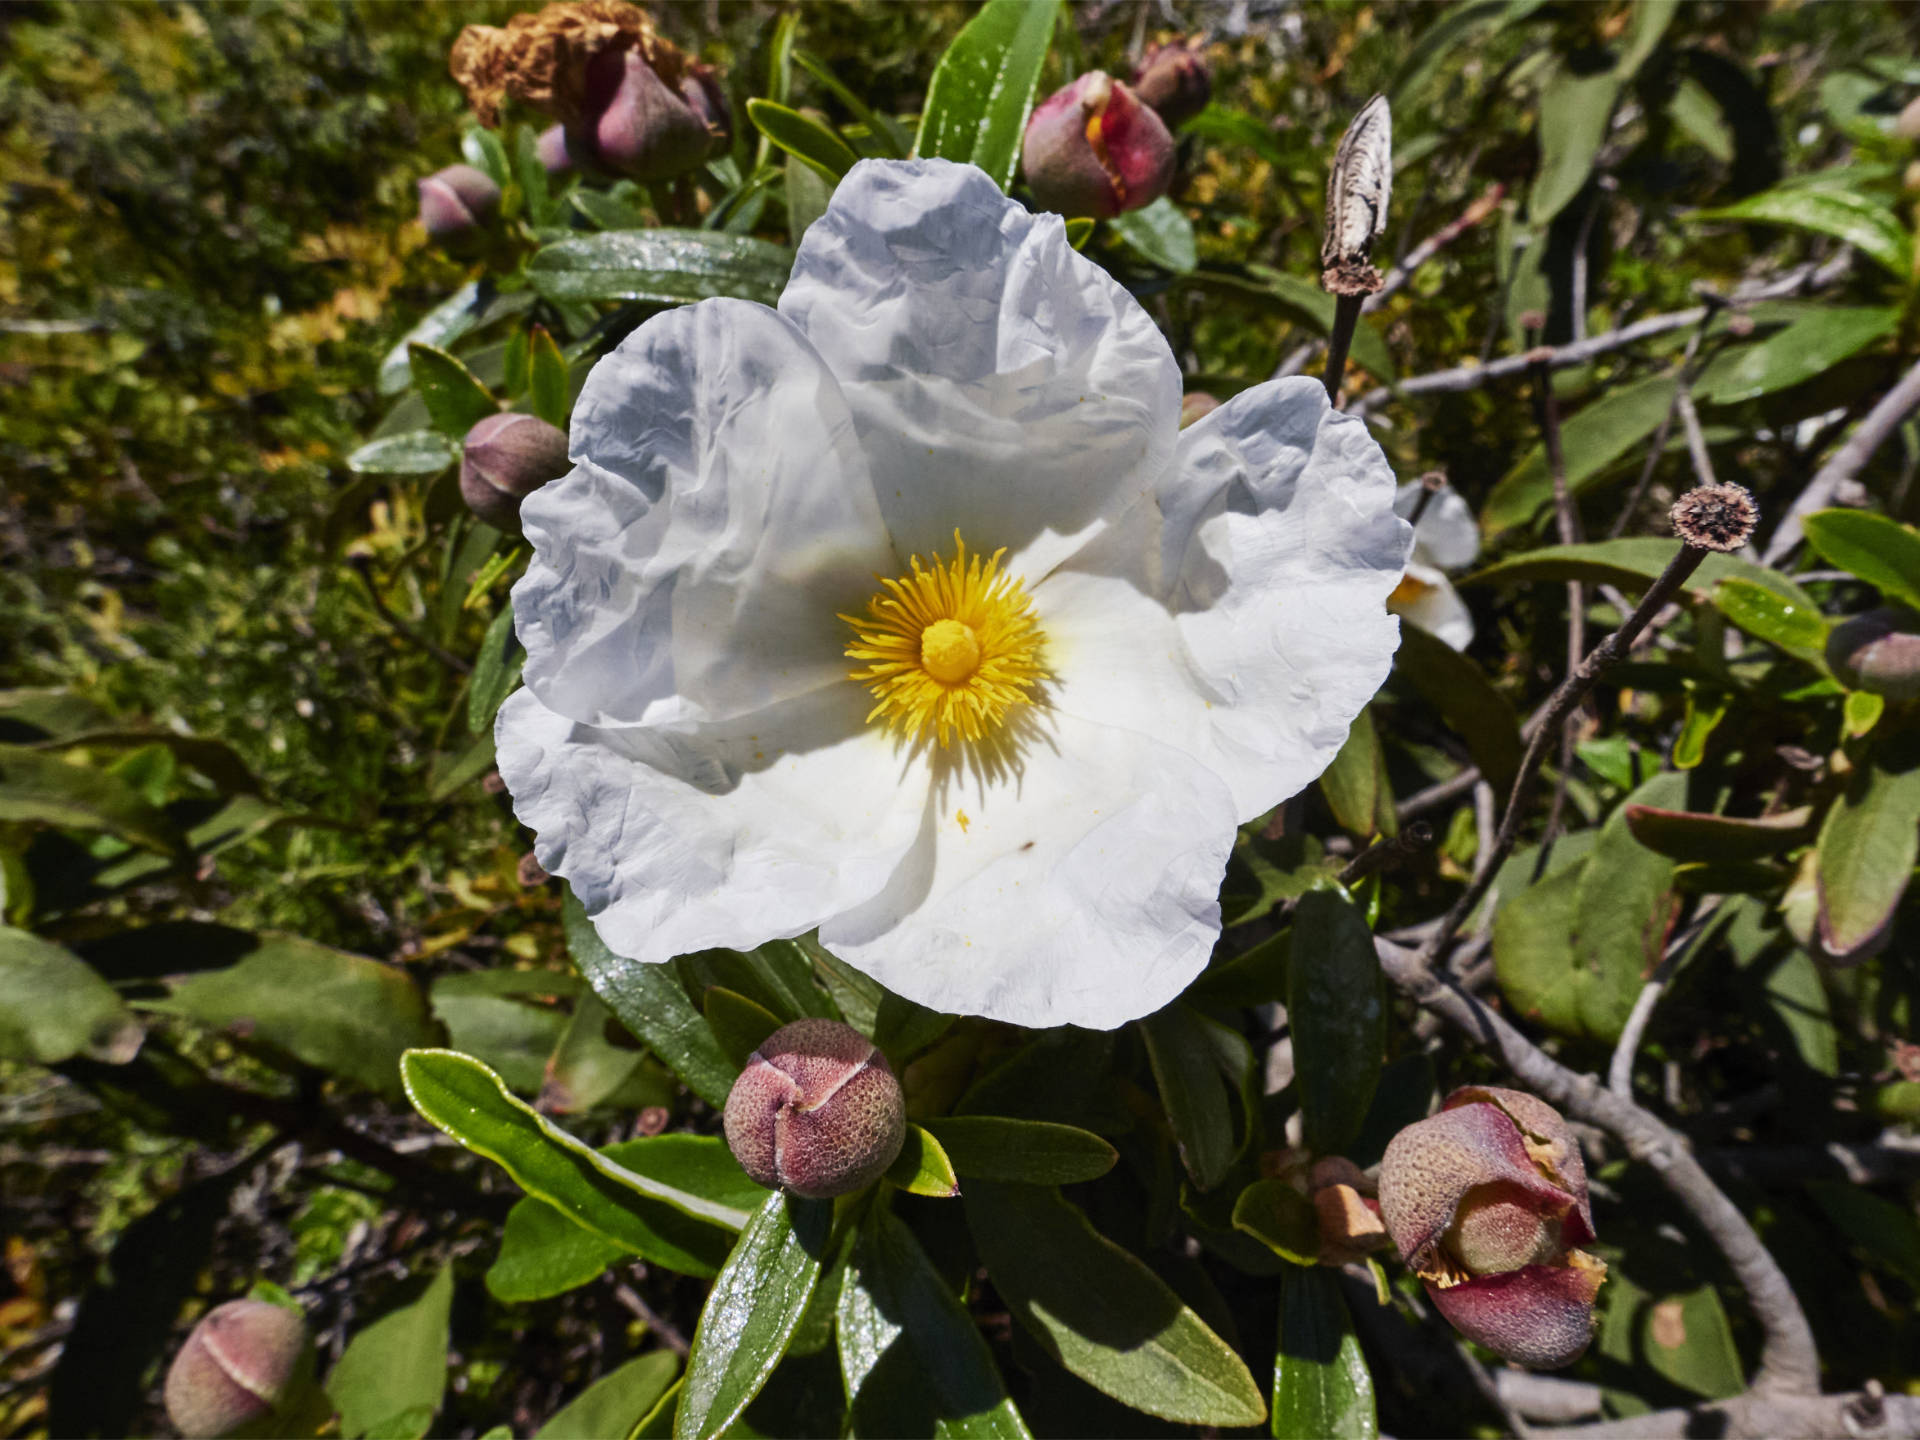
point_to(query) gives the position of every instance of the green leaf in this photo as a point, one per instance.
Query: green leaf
(666, 1225)
(1866, 852)
(1338, 1015)
(391, 1378)
(888, 134)
(1704, 712)
(1304, 302)
(982, 88)
(1598, 434)
(808, 195)
(1886, 1233)
(1533, 951)
(1160, 234)
(1882, 552)
(1573, 122)
(472, 306)
(1689, 835)
(456, 401)
(1451, 28)
(1623, 906)
(752, 1311)
(662, 266)
(513, 1037)
(49, 714)
(1810, 345)
(804, 137)
(1030, 1152)
(53, 1006)
(412, 452)
(1866, 223)
(1794, 624)
(496, 671)
(1321, 1385)
(531, 176)
(344, 1013)
(1102, 1314)
(739, 1024)
(1356, 786)
(1631, 564)
(606, 211)
(485, 152)
(543, 1254)
(1861, 712)
(911, 1357)
(37, 786)
(453, 771)
(923, 1167)
(614, 1404)
(547, 377)
(1080, 230)
(1797, 996)
(1460, 693)
(650, 1002)
(1192, 1090)
(1281, 1218)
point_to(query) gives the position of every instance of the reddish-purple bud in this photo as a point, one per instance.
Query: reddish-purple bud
(506, 458)
(1093, 149)
(1878, 651)
(457, 201)
(642, 128)
(1196, 406)
(707, 98)
(555, 158)
(817, 1110)
(1487, 1201)
(1176, 79)
(246, 1369)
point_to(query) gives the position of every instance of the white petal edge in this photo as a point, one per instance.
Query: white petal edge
(1447, 536)
(1429, 600)
(1002, 384)
(718, 519)
(750, 831)
(1084, 892)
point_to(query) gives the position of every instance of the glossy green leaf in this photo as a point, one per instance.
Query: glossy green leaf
(784, 972)
(888, 134)
(496, 671)
(1688, 835)
(982, 88)
(543, 1254)
(1355, 784)
(1192, 1090)
(455, 400)
(1865, 222)
(666, 1225)
(650, 1002)
(1817, 341)
(1160, 234)
(1866, 851)
(1593, 437)
(53, 1006)
(613, 1405)
(38, 786)
(1573, 121)
(1322, 1388)
(1459, 691)
(343, 1013)
(543, 206)
(1882, 552)
(1861, 712)
(472, 306)
(1281, 1218)
(1102, 1314)
(484, 152)
(1705, 709)
(546, 377)
(808, 195)
(606, 211)
(1794, 624)
(1029, 1152)
(923, 1167)
(739, 1024)
(394, 1372)
(1337, 1012)
(662, 266)
(752, 1311)
(1623, 907)
(911, 1357)
(803, 137)
(412, 452)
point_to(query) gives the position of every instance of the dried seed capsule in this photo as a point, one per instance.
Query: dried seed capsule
(1358, 192)
(817, 1110)
(246, 1369)
(1716, 517)
(505, 458)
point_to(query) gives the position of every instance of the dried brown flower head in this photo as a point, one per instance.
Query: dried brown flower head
(541, 59)
(1715, 517)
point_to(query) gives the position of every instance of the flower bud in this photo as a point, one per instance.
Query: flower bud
(555, 158)
(643, 128)
(1878, 651)
(817, 1110)
(1486, 1201)
(506, 458)
(1176, 79)
(707, 98)
(457, 201)
(246, 1369)
(1093, 149)
(1196, 406)
(1906, 124)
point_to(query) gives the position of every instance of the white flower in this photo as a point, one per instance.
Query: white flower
(1155, 635)
(1447, 538)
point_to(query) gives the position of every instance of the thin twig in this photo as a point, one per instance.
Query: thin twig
(1870, 1414)
(664, 1329)
(1384, 854)
(1659, 448)
(1620, 1070)
(1845, 463)
(1404, 270)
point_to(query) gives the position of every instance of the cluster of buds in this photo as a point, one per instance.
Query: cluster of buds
(627, 100)
(505, 458)
(817, 1111)
(247, 1369)
(1487, 1202)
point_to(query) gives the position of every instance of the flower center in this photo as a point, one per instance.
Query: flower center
(948, 649)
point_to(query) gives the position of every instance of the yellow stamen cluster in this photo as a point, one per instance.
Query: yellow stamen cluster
(949, 649)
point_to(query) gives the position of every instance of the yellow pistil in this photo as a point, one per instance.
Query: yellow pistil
(949, 649)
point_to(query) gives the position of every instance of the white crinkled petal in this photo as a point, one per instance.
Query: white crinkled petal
(1447, 536)
(1276, 552)
(1001, 383)
(754, 829)
(719, 517)
(1427, 599)
(1082, 891)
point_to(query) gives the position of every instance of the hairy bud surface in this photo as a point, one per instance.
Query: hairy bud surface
(816, 1111)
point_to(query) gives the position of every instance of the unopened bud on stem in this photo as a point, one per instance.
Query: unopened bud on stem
(1879, 652)
(1176, 80)
(246, 1369)
(1092, 149)
(457, 201)
(817, 1111)
(506, 458)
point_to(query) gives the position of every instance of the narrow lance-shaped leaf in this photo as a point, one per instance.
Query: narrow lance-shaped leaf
(1031, 1152)
(1322, 1388)
(663, 266)
(982, 88)
(455, 400)
(1337, 1016)
(1882, 552)
(1867, 850)
(804, 137)
(1192, 1090)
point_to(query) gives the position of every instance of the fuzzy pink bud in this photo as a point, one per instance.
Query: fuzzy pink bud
(245, 1370)
(1176, 79)
(457, 201)
(641, 128)
(1878, 652)
(1092, 149)
(555, 157)
(817, 1110)
(505, 458)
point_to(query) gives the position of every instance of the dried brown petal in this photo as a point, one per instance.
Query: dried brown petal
(541, 59)
(1358, 191)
